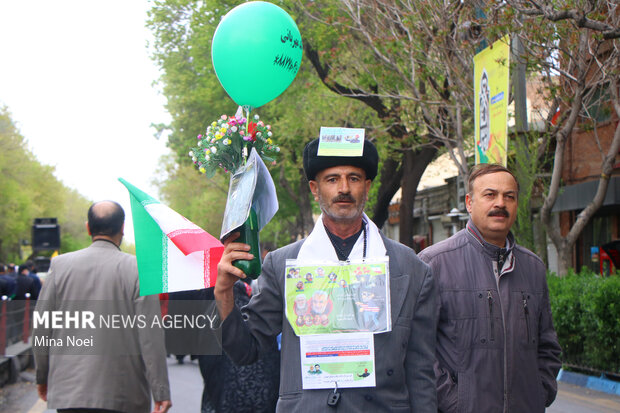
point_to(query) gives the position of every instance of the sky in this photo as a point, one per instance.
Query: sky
(78, 81)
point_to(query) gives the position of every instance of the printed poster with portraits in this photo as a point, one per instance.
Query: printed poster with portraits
(338, 297)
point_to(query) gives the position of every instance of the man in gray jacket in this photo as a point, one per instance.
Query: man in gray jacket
(84, 379)
(497, 350)
(404, 357)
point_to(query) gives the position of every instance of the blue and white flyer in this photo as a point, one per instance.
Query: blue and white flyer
(337, 360)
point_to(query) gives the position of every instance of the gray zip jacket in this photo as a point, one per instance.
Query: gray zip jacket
(497, 350)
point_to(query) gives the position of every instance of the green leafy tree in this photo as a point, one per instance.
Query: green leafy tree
(29, 190)
(183, 31)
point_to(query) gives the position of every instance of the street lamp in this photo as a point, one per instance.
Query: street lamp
(454, 215)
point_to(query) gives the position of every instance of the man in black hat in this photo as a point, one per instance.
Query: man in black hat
(403, 357)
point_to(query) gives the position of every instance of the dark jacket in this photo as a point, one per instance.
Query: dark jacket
(6, 287)
(36, 282)
(10, 284)
(403, 357)
(241, 389)
(497, 350)
(25, 285)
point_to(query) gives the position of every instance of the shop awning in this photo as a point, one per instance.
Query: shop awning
(578, 196)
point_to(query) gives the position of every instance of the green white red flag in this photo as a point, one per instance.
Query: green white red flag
(173, 253)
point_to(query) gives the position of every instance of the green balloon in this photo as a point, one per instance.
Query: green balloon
(256, 52)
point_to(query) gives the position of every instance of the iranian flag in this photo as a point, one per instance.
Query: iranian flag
(173, 253)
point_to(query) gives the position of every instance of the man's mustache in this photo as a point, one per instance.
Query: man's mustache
(499, 213)
(344, 198)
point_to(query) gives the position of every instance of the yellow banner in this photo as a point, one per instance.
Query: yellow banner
(491, 83)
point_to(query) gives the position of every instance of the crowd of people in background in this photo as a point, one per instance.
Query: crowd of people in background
(19, 282)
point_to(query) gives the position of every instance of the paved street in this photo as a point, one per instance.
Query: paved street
(186, 385)
(185, 381)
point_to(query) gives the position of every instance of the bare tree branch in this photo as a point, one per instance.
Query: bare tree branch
(579, 17)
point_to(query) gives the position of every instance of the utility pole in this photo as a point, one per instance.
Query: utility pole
(519, 85)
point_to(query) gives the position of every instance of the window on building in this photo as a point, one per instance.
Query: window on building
(596, 233)
(597, 106)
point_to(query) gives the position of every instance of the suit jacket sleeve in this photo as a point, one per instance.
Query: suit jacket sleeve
(421, 350)
(152, 346)
(549, 350)
(245, 332)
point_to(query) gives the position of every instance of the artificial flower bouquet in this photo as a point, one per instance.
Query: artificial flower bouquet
(228, 142)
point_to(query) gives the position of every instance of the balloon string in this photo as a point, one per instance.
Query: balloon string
(247, 130)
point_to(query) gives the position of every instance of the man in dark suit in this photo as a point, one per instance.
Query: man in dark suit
(404, 356)
(25, 284)
(36, 281)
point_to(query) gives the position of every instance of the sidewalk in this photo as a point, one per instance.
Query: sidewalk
(22, 397)
(576, 399)
(602, 384)
(18, 358)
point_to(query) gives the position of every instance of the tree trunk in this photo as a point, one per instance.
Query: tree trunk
(540, 239)
(391, 175)
(565, 258)
(413, 165)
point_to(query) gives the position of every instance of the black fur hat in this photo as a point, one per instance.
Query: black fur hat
(313, 164)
